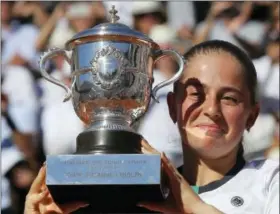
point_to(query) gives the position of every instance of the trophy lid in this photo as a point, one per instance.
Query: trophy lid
(111, 31)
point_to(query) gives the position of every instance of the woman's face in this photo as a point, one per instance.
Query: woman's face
(213, 105)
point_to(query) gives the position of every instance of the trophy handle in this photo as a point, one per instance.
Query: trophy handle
(179, 59)
(46, 56)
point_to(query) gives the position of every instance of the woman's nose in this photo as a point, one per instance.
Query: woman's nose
(211, 107)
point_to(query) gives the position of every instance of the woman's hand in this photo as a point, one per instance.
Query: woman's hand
(182, 198)
(39, 200)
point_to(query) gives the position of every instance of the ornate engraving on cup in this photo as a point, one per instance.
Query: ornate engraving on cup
(108, 67)
(112, 81)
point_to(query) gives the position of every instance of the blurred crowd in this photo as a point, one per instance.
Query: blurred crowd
(35, 122)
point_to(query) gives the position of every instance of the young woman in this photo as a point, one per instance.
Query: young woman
(213, 103)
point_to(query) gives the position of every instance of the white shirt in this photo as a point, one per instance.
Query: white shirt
(157, 127)
(60, 126)
(268, 76)
(59, 122)
(21, 42)
(8, 32)
(254, 190)
(18, 85)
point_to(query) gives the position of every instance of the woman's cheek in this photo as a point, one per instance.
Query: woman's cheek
(234, 118)
(189, 110)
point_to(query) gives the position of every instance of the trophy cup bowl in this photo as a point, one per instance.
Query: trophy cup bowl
(111, 87)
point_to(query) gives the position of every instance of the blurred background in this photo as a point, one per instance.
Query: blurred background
(35, 122)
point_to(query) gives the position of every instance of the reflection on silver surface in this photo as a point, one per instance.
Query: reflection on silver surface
(117, 83)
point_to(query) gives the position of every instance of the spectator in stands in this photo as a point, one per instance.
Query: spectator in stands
(18, 85)
(7, 26)
(177, 19)
(147, 14)
(29, 17)
(261, 135)
(273, 25)
(230, 21)
(18, 160)
(69, 18)
(58, 136)
(62, 139)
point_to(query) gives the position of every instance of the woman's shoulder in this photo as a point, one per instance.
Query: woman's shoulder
(252, 190)
(263, 165)
(266, 180)
(264, 171)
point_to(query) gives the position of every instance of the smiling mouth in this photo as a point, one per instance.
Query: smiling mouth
(210, 128)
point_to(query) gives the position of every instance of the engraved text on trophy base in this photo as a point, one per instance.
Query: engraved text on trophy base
(103, 169)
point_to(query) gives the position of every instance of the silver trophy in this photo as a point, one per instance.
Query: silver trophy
(111, 87)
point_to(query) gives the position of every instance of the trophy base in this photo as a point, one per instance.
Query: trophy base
(106, 199)
(108, 142)
(110, 183)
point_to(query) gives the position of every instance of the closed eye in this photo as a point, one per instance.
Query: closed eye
(230, 99)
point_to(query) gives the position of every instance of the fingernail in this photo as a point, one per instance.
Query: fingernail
(84, 205)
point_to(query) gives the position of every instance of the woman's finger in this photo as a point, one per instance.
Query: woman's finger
(170, 168)
(162, 207)
(148, 147)
(145, 151)
(73, 206)
(39, 181)
(39, 197)
(153, 206)
(33, 200)
(51, 208)
(175, 179)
